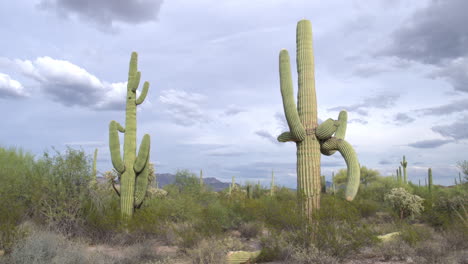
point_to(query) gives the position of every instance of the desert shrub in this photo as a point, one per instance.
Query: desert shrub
(367, 208)
(432, 251)
(185, 235)
(250, 229)
(17, 192)
(376, 190)
(311, 255)
(208, 252)
(213, 250)
(63, 190)
(275, 246)
(404, 203)
(51, 248)
(281, 214)
(414, 234)
(396, 249)
(339, 230)
(447, 207)
(213, 219)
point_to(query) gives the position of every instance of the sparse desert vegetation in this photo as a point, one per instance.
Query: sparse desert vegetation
(52, 213)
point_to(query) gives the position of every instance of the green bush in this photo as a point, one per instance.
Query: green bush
(404, 203)
(17, 194)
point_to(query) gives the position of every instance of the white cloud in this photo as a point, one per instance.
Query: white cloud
(10, 87)
(70, 84)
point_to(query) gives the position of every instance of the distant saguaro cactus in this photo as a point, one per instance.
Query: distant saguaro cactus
(401, 175)
(312, 139)
(404, 163)
(94, 164)
(133, 169)
(272, 184)
(201, 177)
(429, 179)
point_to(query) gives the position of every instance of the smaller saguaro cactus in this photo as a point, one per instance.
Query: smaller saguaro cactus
(93, 181)
(272, 185)
(333, 183)
(401, 176)
(398, 176)
(94, 164)
(429, 179)
(404, 163)
(249, 190)
(324, 184)
(460, 178)
(201, 177)
(233, 185)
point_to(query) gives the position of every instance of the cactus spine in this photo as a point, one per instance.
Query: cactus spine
(310, 138)
(429, 179)
(133, 169)
(404, 163)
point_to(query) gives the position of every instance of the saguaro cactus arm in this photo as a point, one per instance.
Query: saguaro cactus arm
(352, 163)
(143, 94)
(285, 137)
(343, 122)
(141, 185)
(114, 145)
(296, 128)
(327, 129)
(143, 154)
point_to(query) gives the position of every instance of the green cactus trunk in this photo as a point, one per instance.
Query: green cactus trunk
(429, 179)
(133, 169)
(404, 163)
(310, 138)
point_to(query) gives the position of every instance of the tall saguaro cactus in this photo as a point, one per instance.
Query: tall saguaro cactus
(404, 163)
(133, 169)
(312, 139)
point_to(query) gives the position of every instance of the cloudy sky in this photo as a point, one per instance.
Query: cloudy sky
(400, 69)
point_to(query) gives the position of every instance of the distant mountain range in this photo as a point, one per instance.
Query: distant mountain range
(167, 178)
(217, 185)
